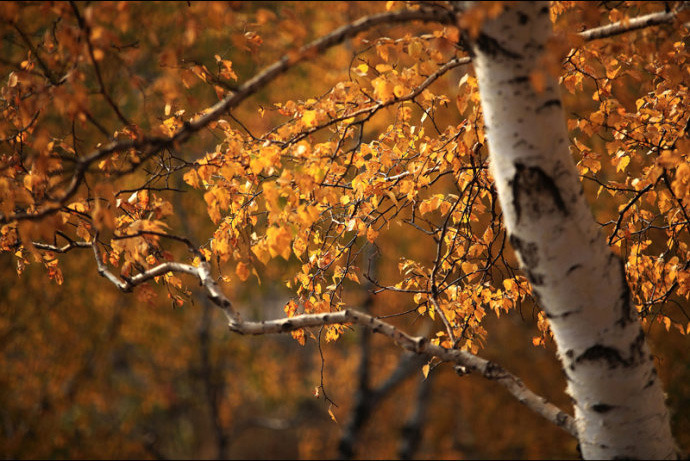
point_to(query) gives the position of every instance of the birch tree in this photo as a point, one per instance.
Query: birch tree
(580, 283)
(409, 173)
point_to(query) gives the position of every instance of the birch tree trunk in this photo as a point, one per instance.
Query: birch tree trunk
(618, 398)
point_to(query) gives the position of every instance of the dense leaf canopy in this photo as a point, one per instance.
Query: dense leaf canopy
(296, 159)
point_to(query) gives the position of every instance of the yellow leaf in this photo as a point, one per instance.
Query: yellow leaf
(383, 89)
(192, 178)
(309, 118)
(399, 91)
(425, 370)
(290, 308)
(299, 246)
(242, 271)
(279, 242)
(624, 161)
(468, 267)
(330, 412)
(371, 234)
(509, 285)
(299, 336)
(261, 252)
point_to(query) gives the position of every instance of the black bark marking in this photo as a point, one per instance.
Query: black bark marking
(602, 407)
(529, 251)
(627, 312)
(535, 193)
(550, 102)
(652, 380)
(637, 354)
(559, 316)
(420, 343)
(520, 79)
(535, 278)
(520, 142)
(600, 352)
(286, 325)
(522, 18)
(572, 268)
(490, 46)
(494, 371)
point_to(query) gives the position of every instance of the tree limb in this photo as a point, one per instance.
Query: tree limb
(629, 25)
(419, 345)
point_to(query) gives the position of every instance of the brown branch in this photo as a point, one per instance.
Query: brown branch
(370, 111)
(412, 430)
(193, 248)
(368, 399)
(48, 73)
(622, 212)
(86, 29)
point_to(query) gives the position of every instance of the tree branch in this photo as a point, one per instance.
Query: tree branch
(153, 145)
(629, 25)
(419, 345)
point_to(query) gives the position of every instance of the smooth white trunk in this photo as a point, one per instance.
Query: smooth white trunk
(618, 398)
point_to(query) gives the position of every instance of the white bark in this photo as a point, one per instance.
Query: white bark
(618, 398)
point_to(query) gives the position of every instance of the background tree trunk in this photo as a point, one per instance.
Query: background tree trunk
(580, 284)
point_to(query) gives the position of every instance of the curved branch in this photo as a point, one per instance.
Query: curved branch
(419, 345)
(464, 360)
